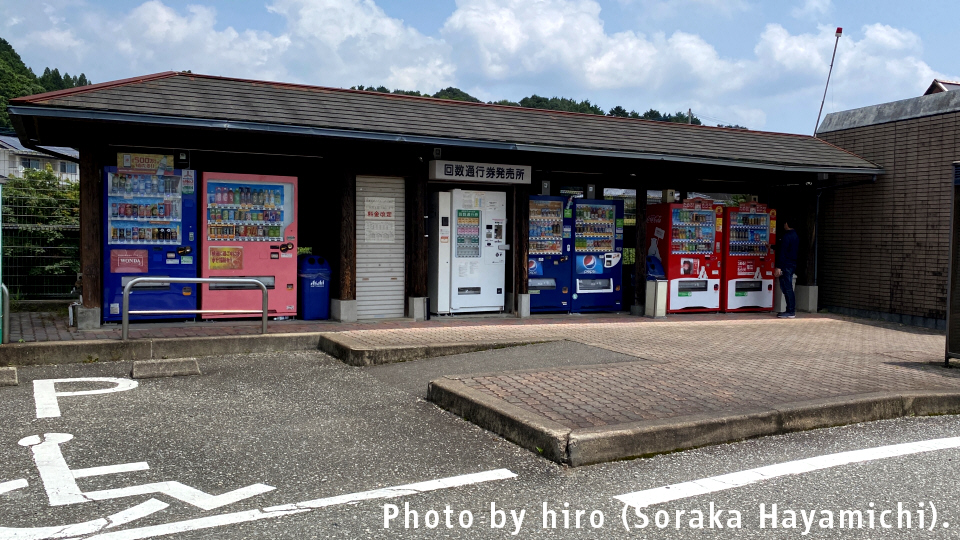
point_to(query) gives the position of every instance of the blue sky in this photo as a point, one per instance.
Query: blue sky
(759, 64)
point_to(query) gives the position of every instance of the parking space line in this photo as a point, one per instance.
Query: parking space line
(12, 485)
(683, 490)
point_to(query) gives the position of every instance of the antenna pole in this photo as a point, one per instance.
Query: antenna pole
(835, 43)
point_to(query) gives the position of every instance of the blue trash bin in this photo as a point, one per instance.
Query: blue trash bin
(314, 290)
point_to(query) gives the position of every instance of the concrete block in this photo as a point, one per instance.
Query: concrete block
(829, 412)
(636, 310)
(807, 298)
(88, 318)
(173, 367)
(343, 310)
(8, 376)
(417, 308)
(656, 306)
(523, 306)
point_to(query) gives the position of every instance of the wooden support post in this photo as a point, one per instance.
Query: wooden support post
(348, 238)
(417, 242)
(91, 256)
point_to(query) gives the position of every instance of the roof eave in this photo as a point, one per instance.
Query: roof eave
(178, 121)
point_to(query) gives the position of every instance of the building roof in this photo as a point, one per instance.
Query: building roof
(905, 109)
(939, 85)
(13, 143)
(203, 101)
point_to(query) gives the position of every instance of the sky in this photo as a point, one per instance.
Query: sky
(760, 64)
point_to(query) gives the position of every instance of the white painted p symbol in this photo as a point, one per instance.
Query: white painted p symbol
(45, 393)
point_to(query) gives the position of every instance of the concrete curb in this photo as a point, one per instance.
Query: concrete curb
(349, 351)
(8, 376)
(174, 367)
(517, 425)
(354, 353)
(578, 447)
(112, 350)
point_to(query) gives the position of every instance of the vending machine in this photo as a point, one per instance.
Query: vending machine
(151, 231)
(748, 260)
(597, 272)
(685, 238)
(467, 251)
(550, 254)
(249, 225)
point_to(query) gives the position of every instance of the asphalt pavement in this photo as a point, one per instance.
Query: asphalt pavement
(312, 428)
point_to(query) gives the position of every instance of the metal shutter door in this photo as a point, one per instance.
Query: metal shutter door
(380, 266)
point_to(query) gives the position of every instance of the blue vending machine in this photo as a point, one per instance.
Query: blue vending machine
(597, 255)
(150, 231)
(549, 253)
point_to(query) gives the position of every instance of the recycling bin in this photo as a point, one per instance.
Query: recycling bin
(314, 290)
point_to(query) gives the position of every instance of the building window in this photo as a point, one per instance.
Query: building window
(30, 163)
(68, 167)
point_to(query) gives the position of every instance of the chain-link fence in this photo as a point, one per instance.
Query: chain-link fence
(41, 235)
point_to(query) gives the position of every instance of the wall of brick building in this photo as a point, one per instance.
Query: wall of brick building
(884, 247)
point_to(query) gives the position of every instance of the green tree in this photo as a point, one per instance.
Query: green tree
(506, 102)
(456, 94)
(619, 112)
(16, 80)
(733, 126)
(560, 104)
(47, 208)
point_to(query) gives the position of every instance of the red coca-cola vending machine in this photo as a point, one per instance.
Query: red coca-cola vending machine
(685, 238)
(748, 260)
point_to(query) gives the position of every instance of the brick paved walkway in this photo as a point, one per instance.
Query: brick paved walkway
(48, 326)
(694, 367)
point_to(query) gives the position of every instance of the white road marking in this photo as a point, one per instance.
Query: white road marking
(57, 478)
(398, 491)
(187, 494)
(62, 489)
(12, 485)
(45, 393)
(79, 529)
(110, 469)
(703, 486)
(93, 527)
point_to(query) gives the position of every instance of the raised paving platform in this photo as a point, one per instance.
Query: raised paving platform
(709, 382)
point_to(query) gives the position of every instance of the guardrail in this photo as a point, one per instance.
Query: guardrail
(235, 281)
(5, 301)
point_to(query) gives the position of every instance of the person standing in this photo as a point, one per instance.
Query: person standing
(786, 266)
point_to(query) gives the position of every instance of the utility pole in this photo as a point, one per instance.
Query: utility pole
(839, 31)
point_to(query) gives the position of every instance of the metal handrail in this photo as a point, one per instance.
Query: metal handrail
(125, 312)
(5, 292)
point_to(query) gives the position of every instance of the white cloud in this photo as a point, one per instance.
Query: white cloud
(355, 38)
(811, 9)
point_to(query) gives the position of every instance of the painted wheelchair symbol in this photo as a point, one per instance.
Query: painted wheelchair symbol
(60, 483)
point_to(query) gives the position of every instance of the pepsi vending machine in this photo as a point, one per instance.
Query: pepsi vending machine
(598, 253)
(151, 224)
(549, 254)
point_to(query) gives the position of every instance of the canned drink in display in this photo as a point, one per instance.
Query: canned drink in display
(113, 234)
(175, 234)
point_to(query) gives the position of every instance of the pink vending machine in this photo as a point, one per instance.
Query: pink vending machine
(249, 225)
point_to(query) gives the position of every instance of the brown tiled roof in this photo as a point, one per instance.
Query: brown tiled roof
(176, 95)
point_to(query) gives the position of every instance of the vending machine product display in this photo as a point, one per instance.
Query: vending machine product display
(685, 238)
(467, 251)
(748, 260)
(597, 272)
(151, 229)
(549, 272)
(249, 225)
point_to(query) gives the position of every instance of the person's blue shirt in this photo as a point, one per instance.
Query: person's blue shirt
(787, 252)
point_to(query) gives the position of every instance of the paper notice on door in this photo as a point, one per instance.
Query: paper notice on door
(474, 267)
(379, 232)
(471, 200)
(462, 269)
